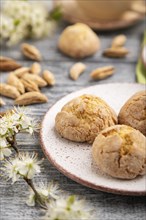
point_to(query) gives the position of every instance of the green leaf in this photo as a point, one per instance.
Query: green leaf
(71, 200)
(56, 13)
(141, 72)
(144, 41)
(140, 68)
(16, 22)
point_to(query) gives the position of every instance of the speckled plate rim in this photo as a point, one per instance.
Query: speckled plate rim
(73, 176)
(101, 26)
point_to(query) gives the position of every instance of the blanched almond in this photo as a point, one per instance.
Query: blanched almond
(35, 78)
(49, 77)
(76, 70)
(8, 64)
(119, 41)
(35, 68)
(31, 98)
(14, 81)
(116, 52)
(21, 71)
(139, 7)
(9, 91)
(31, 52)
(102, 72)
(2, 102)
(29, 85)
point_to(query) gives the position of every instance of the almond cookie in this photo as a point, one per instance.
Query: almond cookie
(120, 152)
(133, 113)
(78, 41)
(82, 118)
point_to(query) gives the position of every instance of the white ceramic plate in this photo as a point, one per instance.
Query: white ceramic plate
(74, 159)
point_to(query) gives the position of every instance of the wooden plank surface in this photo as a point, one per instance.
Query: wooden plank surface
(108, 206)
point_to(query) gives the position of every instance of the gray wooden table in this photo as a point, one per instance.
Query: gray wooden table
(108, 206)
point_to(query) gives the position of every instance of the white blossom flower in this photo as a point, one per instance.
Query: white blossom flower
(9, 123)
(26, 123)
(11, 169)
(3, 127)
(46, 191)
(50, 190)
(23, 19)
(17, 121)
(29, 125)
(29, 165)
(22, 111)
(69, 208)
(7, 25)
(5, 150)
(24, 165)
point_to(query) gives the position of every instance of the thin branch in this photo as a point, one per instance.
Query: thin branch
(38, 197)
(13, 143)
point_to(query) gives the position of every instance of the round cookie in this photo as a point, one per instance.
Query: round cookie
(133, 113)
(78, 41)
(83, 118)
(120, 152)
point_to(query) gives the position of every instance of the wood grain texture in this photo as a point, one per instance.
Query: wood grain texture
(108, 206)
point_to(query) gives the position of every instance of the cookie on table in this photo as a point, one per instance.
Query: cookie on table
(78, 41)
(120, 152)
(82, 118)
(133, 113)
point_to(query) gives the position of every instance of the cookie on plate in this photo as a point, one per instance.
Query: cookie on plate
(120, 152)
(133, 113)
(83, 118)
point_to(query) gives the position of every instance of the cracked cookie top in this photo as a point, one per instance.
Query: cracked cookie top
(83, 118)
(120, 151)
(133, 113)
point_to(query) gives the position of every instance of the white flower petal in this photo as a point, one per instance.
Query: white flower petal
(1, 155)
(31, 199)
(69, 208)
(7, 152)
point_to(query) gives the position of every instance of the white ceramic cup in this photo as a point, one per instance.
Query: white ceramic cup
(103, 9)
